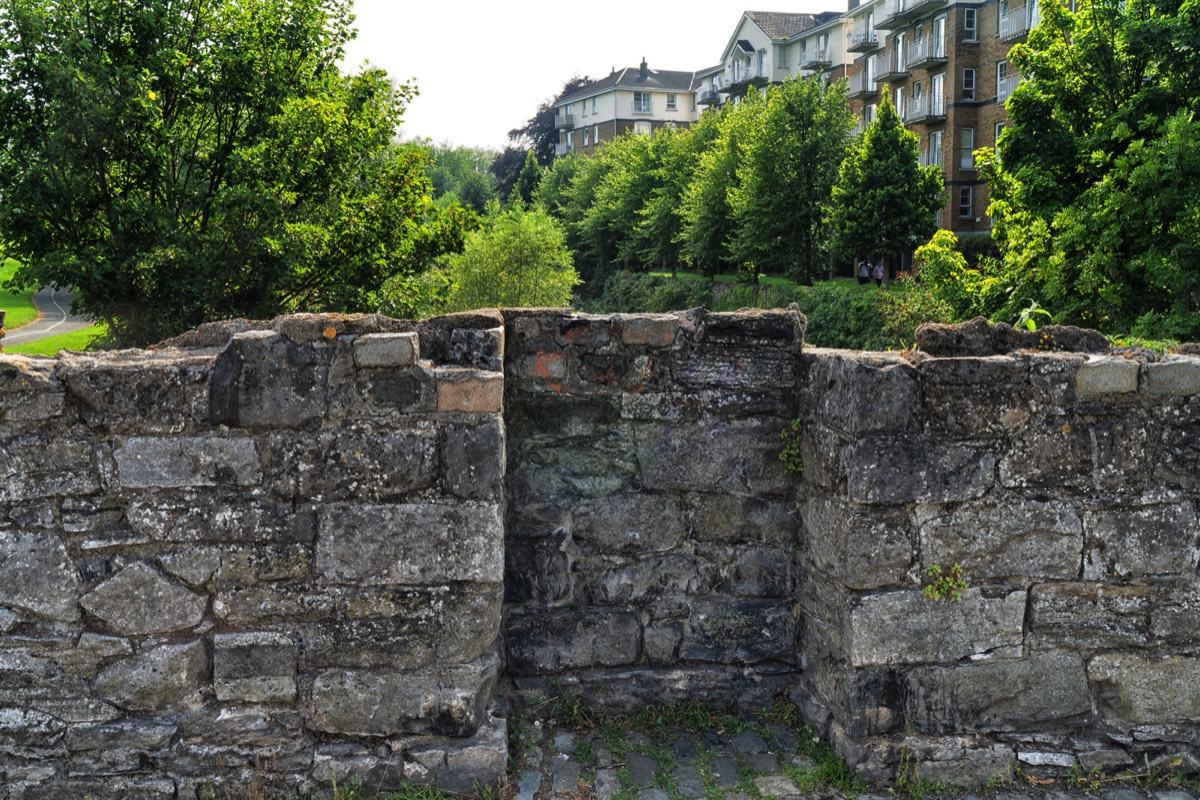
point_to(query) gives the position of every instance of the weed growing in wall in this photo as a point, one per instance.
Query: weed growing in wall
(945, 586)
(791, 455)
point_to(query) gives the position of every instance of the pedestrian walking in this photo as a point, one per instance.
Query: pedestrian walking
(879, 274)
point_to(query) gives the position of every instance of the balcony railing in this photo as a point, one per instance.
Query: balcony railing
(564, 121)
(892, 69)
(643, 107)
(1018, 22)
(709, 97)
(862, 40)
(561, 149)
(926, 53)
(815, 60)
(926, 108)
(898, 12)
(1005, 86)
(931, 159)
(861, 84)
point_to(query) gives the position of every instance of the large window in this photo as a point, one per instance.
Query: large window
(935, 148)
(782, 63)
(968, 84)
(966, 158)
(970, 25)
(587, 136)
(641, 103)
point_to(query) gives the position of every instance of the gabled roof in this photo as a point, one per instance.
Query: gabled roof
(631, 78)
(780, 25)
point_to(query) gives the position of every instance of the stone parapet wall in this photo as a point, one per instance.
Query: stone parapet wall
(652, 535)
(279, 558)
(1066, 488)
(324, 547)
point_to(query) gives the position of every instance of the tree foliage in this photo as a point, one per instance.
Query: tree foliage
(461, 175)
(781, 197)
(181, 160)
(1094, 199)
(884, 201)
(539, 133)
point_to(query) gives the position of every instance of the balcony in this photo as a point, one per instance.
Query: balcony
(561, 149)
(562, 121)
(709, 97)
(899, 12)
(1016, 24)
(926, 54)
(817, 61)
(861, 85)
(932, 160)
(1005, 86)
(927, 109)
(744, 80)
(892, 70)
(862, 41)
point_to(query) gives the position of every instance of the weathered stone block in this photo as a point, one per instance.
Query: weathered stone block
(386, 350)
(732, 368)
(734, 519)
(551, 642)
(1049, 452)
(1091, 615)
(196, 516)
(861, 393)
(249, 388)
(608, 581)
(1176, 376)
(629, 523)
(34, 467)
(141, 392)
(181, 461)
(139, 600)
(164, 678)
(907, 627)
(450, 701)
(37, 576)
(477, 347)
(900, 472)
(725, 631)
(1134, 689)
(1151, 540)
(258, 667)
(536, 571)
(740, 456)
(26, 727)
(29, 390)
(469, 391)
(1017, 539)
(1106, 375)
(473, 460)
(1043, 691)
(783, 329)
(857, 549)
(421, 543)
(648, 330)
(748, 571)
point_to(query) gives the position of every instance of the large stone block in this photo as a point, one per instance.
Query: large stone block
(629, 523)
(138, 392)
(735, 456)
(1088, 616)
(907, 627)
(647, 330)
(264, 380)
(451, 700)
(1106, 375)
(145, 462)
(857, 548)
(536, 571)
(605, 580)
(881, 471)
(37, 576)
(422, 543)
(140, 600)
(164, 678)
(34, 466)
(863, 393)
(1050, 452)
(737, 368)
(386, 350)
(473, 460)
(469, 391)
(1045, 691)
(198, 516)
(725, 631)
(1018, 539)
(256, 667)
(741, 519)
(462, 766)
(29, 390)
(1133, 689)
(551, 642)
(1175, 376)
(1136, 542)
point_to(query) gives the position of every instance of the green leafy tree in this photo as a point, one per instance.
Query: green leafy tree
(181, 161)
(528, 179)
(781, 197)
(518, 258)
(461, 175)
(554, 190)
(884, 200)
(624, 189)
(1093, 192)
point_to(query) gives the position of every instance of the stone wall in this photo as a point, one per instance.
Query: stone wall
(1066, 487)
(278, 558)
(322, 547)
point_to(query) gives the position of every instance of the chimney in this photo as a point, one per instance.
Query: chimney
(644, 70)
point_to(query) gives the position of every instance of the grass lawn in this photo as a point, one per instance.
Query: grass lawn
(20, 304)
(79, 340)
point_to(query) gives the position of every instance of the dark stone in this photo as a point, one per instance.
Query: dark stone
(982, 338)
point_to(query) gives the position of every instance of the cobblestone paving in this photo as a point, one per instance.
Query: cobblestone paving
(753, 764)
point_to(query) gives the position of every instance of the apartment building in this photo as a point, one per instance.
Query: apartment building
(637, 99)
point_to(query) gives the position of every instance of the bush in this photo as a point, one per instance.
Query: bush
(639, 292)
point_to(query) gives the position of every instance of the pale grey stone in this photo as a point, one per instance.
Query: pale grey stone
(164, 678)
(1144, 690)
(906, 627)
(184, 461)
(37, 576)
(139, 600)
(28, 727)
(386, 350)
(1153, 540)
(647, 330)
(1043, 759)
(195, 566)
(778, 786)
(257, 667)
(1173, 377)
(1103, 375)
(1021, 539)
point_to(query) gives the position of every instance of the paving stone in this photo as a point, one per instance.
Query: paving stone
(1123, 794)
(726, 770)
(688, 781)
(1172, 794)
(762, 762)
(778, 786)
(654, 794)
(784, 738)
(564, 772)
(717, 742)
(682, 747)
(750, 742)
(528, 784)
(607, 783)
(643, 768)
(564, 742)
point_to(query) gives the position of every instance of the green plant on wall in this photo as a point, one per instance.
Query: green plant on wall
(791, 454)
(945, 585)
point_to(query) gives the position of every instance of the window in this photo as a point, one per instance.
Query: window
(762, 63)
(1003, 85)
(671, 101)
(966, 157)
(641, 102)
(999, 130)
(898, 101)
(782, 63)
(966, 203)
(595, 100)
(868, 114)
(642, 127)
(596, 134)
(968, 84)
(898, 53)
(585, 107)
(1003, 17)
(935, 148)
(937, 94)
(970, 25)
(587, 136)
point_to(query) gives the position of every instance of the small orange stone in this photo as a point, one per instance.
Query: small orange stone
(329, 333)
(1066, 427)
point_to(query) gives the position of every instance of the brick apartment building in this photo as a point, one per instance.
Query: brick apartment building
(943, 64)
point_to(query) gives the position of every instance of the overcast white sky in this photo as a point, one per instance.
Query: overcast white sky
(483, 67)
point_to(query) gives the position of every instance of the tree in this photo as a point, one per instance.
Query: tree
(518, 258)
(539, 134)
(1093, 190)
(182, 161)
(461, 175)
(884, 200)
(528, 179)
(781, 198)
(675, 156)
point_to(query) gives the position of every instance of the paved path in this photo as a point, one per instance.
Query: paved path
(54, 318)
(765, 762)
